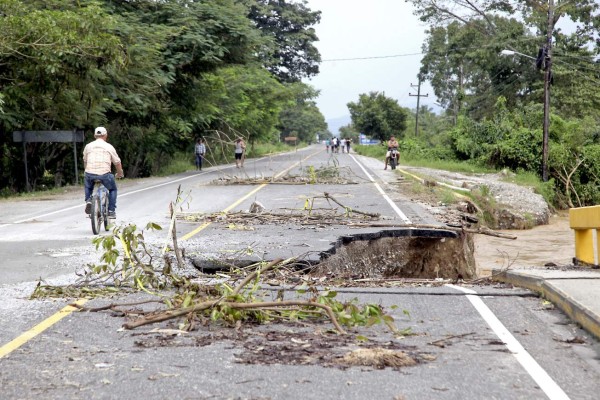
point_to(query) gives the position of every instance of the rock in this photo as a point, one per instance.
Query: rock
(517, 207)
(256, 207)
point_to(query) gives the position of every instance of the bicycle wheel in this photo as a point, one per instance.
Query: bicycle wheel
(105, 210)
(96, 215)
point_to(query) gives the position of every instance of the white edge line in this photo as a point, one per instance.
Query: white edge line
(120, 195)
(539, 375)
(385, 196)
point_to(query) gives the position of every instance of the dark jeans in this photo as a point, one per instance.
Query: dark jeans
(199, 158)
(108, 180)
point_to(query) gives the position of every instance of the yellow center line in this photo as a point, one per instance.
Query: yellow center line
(66, 311)
(240, 200)
(39, 328)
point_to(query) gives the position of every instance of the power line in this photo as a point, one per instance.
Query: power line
(372, 58)
(457, 49)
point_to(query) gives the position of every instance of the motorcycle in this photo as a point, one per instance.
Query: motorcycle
(394, 154)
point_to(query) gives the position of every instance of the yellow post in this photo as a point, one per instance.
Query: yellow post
(584, 245)
(585, 220)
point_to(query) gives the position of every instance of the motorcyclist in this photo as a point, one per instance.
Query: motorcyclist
(97, 159)
(391, 144)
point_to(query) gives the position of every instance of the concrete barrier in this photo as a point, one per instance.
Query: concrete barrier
(585, 221)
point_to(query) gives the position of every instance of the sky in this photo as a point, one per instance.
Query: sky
(359, 29)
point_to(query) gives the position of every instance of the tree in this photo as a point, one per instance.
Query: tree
(244, 101)
(378, 116)
(156, 73)
(301, 117)
(288, 24)
(468, 76)
(53, 67)
(348, 131)
(465, 39)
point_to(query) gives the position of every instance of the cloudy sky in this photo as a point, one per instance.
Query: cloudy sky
(363, 29)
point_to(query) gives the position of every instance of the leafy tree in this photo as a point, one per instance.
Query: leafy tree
(136, 67)
(301, 117)
(462, 59)
(378, 116)
(288, 24)
(197, 38)
(244, 101)
(53, 67)
(348, 131)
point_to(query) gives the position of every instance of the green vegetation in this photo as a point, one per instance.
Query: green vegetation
(182, 162)
(416, 160)
(493, 104)
(157, 75)
(129, 263)
(378, 116)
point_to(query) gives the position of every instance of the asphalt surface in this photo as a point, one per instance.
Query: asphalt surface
(463, 337)
(572, 290)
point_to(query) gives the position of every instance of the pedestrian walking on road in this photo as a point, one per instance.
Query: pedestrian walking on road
(200, 151)
(240, 152)
(335, 145)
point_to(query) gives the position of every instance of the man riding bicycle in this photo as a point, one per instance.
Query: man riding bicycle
(391, 144)
(97, 159)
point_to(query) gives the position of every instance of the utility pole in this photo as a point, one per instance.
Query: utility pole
(547, 79)
(418, 96)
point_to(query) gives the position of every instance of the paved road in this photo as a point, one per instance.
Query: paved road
(472, 342)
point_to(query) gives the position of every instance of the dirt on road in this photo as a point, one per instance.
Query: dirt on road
(544, 245)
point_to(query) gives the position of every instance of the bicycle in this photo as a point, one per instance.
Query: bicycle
(99, 213)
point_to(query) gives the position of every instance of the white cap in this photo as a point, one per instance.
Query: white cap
(100, 131)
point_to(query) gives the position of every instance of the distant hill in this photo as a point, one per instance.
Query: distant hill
(336, 123)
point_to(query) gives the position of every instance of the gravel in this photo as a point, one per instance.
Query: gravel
(518, 206)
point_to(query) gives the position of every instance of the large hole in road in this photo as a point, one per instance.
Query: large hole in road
(402, 257)
(398, 253)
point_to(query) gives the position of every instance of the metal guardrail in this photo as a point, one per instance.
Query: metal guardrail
(585, 221)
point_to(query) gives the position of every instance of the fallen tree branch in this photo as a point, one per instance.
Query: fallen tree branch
(330, 197)
(205, 305)
(441, 341)
(112, 305)
(254, 274)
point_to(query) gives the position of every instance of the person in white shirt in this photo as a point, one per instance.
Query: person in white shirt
(98, 158)
(240, 150)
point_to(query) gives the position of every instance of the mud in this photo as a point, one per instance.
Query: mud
(292, 346)
(544, 246)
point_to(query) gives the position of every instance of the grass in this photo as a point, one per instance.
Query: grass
(446, 165)
(182, 162)
(378, 151)
(448, 197)
(522, 178)
(36, 194)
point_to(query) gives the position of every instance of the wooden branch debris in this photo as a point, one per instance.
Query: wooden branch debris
(284, 180)
(351, 210)
(442, 342)
(331, 217)
(160, 316)
(205, 305)
(254, 274)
